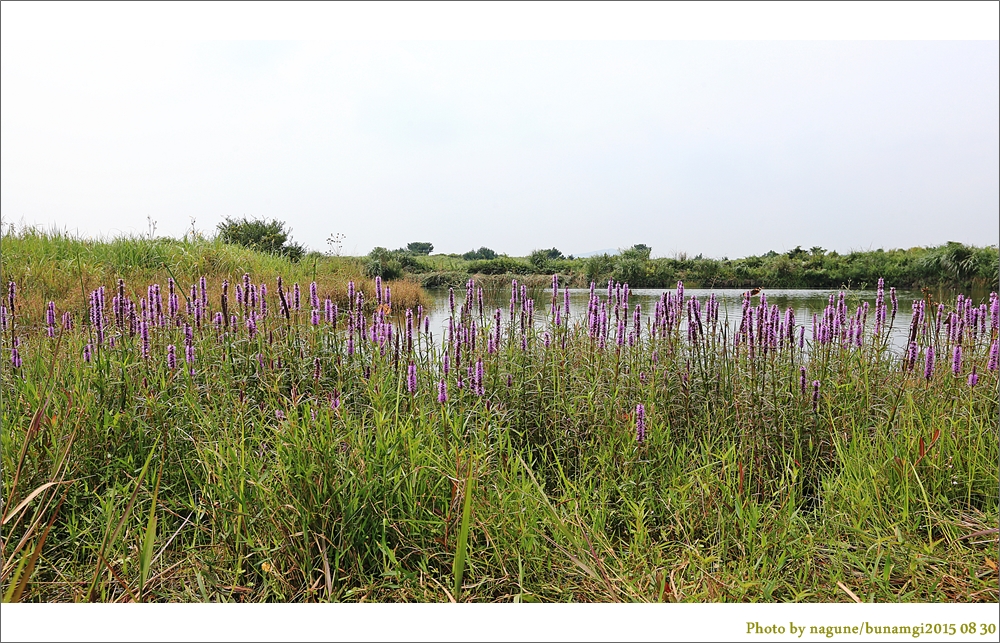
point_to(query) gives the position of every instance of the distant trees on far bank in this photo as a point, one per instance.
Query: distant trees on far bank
(952, 264)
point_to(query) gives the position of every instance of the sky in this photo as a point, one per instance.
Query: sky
(720, 148)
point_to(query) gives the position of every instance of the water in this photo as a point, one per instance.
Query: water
(804, 302)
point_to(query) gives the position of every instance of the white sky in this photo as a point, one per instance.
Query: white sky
(725, 148)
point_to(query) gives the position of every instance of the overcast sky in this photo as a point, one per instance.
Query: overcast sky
(720, 148)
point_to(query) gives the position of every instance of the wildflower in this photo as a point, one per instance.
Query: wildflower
(956, 360)
(171, 357)
(994, 357)
(279, 415)
(442, 391)
(802, 379)
(973, 377)
(87, 349)
(411, 379)
(640, 423)
(317, 370)
(929, 363)
(815, 396)
(144, 332)
(15, 355)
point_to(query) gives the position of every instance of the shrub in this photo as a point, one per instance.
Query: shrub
(261, 235)
(482, 253)
(499, 266)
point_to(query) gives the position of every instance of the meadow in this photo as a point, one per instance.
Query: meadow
(211, 424)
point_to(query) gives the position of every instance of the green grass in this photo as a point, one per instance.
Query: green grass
(124, 480)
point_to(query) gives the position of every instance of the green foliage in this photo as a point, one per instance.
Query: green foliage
(482, 253)
(261, 235)
(384, 263)
(253, 476)
(499, 266)
(420, 247)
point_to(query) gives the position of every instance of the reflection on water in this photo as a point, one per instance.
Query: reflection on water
(805, 303)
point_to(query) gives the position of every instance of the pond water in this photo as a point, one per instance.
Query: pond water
(804, 302)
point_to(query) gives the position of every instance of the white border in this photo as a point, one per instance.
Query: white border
(23, 20)
(443, 622)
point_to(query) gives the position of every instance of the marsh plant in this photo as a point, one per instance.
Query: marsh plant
(269, 441)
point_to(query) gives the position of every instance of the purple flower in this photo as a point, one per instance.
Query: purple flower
(929, 363)
(411, 379)
(334, 400)
(87, 351)
(144, 332)
(442, 391)
(15, 355)
(815, 396)
(279, 415)
(171, 357)
(313, 295)
(480, 389)
(317, 369)
(189, 354)
(640, 423)
(973, 377)
(297, 297)
(994, 357)
(956, 360)
(802, 379)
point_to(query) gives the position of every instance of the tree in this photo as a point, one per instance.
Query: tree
(482, 253)
(420, 247)
(260, 235)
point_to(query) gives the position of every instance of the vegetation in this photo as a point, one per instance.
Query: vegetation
(420, 248)
(482, 253)
(952, 266)
(154, 449)
(269, 237)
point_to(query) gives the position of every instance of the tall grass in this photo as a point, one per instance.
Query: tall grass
(342, 461)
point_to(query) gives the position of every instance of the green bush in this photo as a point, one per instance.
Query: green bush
(482, 253)
(260, 235)
(499, 266)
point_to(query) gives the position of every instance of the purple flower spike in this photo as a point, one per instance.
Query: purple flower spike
(802, 379)
(171, 357)
(442, 391)
(87, 353)
(956, 360)
(994, 357)
(640, 423)
(929, 363)
(411, 379)
(973, 377)
(815, 396)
